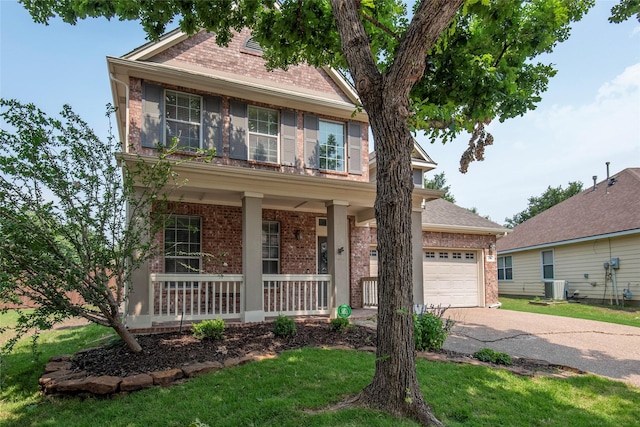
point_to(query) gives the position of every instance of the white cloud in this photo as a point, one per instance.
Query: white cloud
(549, 146)
(623, 85)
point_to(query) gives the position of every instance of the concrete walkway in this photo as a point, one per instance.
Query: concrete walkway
(604, 349)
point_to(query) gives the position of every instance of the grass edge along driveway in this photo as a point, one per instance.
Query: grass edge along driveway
(629, 316)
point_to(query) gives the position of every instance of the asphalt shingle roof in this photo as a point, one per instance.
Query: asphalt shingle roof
(604, 210)
(440, 212)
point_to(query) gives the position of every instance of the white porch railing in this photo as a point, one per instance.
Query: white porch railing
(190, 297)
(369, 292)
(296, 294)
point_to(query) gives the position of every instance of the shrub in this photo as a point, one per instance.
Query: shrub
(284, 326)
(430, 329)
(492, 356)
(339, 324)
(209, 329)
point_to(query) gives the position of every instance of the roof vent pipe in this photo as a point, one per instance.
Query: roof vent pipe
(595, 178)
(608, 171)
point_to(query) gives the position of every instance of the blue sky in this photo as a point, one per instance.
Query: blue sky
(589, 115)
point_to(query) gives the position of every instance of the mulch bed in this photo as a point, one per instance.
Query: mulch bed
(165, 351)
(170, 350)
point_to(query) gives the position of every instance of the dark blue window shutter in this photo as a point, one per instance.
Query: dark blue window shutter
(289, 126)
(238, 130)
(152, 107)
(355, 148)
(212, 124)
(311, 135)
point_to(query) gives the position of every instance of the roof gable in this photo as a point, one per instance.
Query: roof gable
(201, 53)
(600, 210)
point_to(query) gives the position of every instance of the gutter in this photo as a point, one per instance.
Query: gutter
(126, 125)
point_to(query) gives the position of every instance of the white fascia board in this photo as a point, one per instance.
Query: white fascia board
(153, 48)
(572, 241)
(465, 229)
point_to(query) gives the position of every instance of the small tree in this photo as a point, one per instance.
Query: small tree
(550, 198)
(63, 216)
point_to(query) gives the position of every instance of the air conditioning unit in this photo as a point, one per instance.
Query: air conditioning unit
(559, 289)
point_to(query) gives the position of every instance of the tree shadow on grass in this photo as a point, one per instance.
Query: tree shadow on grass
(25, 364)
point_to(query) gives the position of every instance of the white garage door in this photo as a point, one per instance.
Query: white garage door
(450, 277)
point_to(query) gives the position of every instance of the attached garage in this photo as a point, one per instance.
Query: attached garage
(451, 278)
(458, 267)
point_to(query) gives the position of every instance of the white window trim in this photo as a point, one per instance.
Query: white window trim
(345, 147)
(504, 268)
(277, 137)
(542, 265)
(168, 120)
(279, 246)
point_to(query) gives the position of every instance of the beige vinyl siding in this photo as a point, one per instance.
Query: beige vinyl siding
(572, 262)
(527, 275)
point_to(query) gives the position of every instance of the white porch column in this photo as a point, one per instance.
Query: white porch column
(139, 296)
(416, 243)
(252, 257)
(338, 248)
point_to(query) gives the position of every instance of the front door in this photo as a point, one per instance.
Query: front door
(323, 268)
(323, 255)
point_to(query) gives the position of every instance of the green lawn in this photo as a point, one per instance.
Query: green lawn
(285, 392)
(603, 313)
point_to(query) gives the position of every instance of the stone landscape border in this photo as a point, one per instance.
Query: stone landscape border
(60, 379)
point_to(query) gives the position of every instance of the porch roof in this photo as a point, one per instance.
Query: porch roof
(227, 185)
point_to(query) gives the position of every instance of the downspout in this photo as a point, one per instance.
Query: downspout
(615, 284)
(126, 124)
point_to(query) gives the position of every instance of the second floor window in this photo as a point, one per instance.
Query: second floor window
(331, 146)
(263, 134)
(183, 119)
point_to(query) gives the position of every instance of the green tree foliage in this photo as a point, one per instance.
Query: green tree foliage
(550, 197)
(439, 182)
(448, 67)
(625, 10)
(63, 221)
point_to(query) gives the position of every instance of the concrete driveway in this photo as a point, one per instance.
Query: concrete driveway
(605, 349)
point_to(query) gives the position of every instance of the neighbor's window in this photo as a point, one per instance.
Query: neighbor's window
(505, 268)
(270, 247)
(332, 146)
(263, 134)
(182, 245)
(183, 119)
(547, 265)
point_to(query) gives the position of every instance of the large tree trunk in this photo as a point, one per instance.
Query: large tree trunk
(385, 98)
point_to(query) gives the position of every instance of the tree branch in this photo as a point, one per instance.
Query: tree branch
(381, 26)
(428, 22)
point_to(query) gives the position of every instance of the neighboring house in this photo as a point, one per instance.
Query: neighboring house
(587, 245)
(281, 220)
